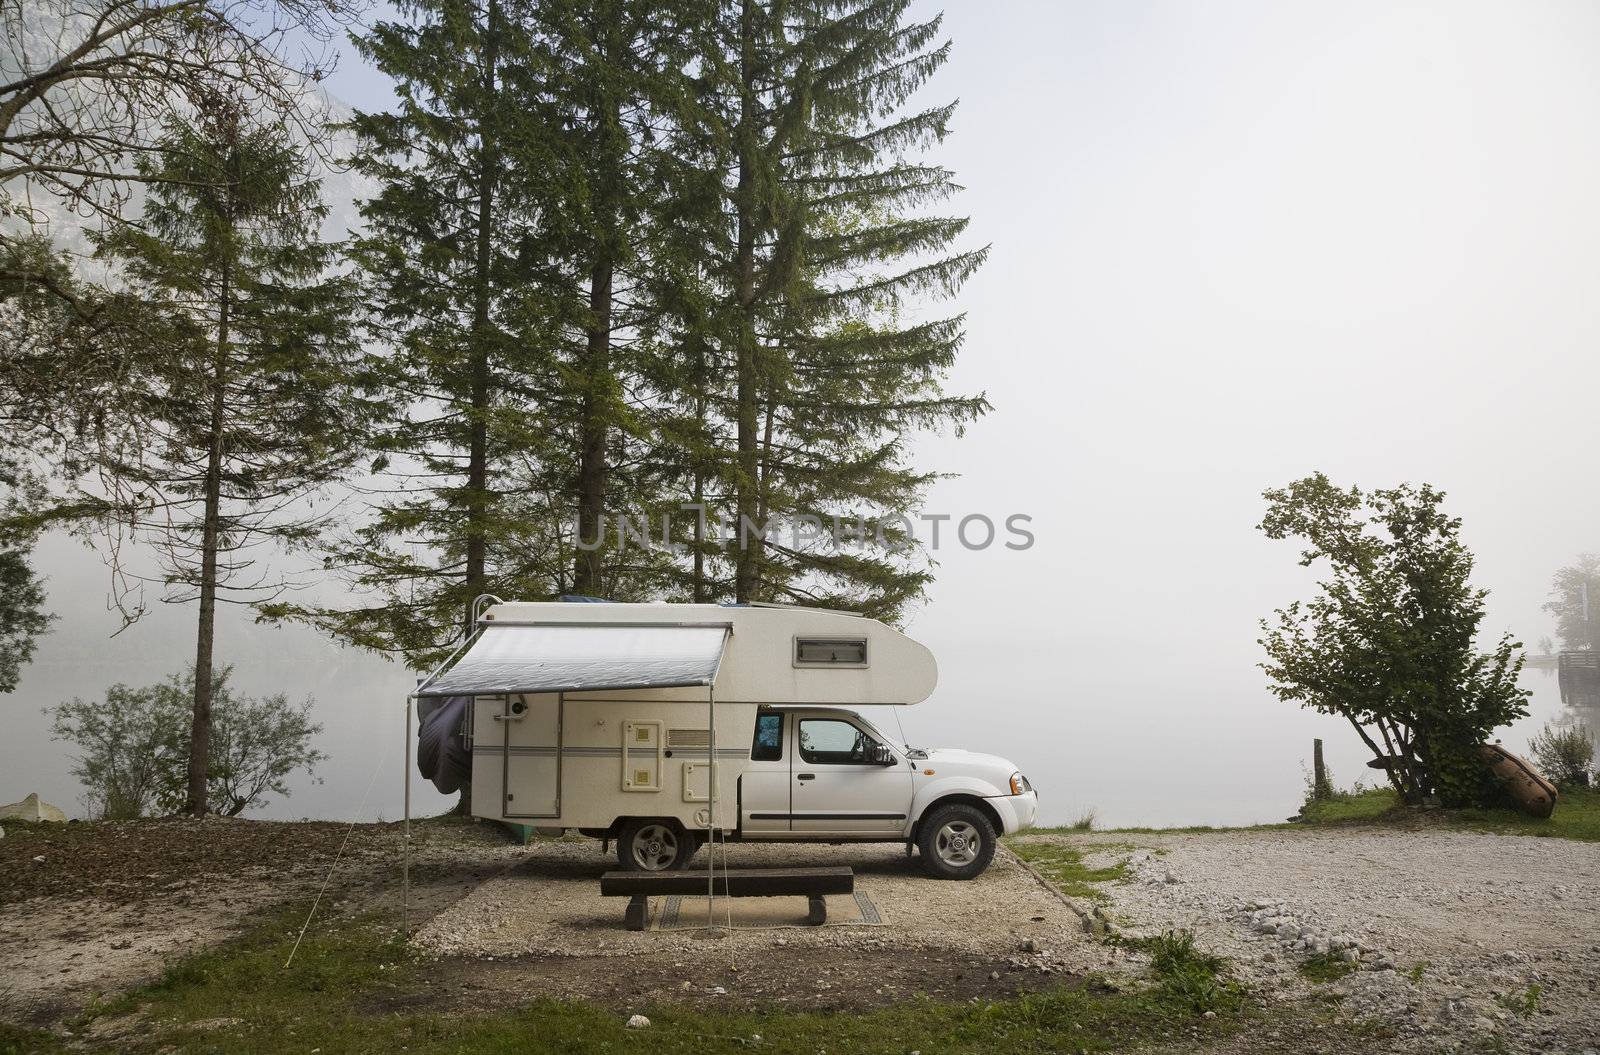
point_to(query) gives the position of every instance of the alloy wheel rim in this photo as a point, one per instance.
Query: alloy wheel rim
(958, 843)
(655, 848)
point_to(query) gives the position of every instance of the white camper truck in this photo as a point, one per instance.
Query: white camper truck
(661, 725)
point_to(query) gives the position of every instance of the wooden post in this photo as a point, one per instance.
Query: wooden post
(1319, 771)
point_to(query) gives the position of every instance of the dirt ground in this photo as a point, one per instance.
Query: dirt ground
(90, 910)
(1458, 940)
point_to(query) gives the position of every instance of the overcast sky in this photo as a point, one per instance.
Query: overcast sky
(1234, 243)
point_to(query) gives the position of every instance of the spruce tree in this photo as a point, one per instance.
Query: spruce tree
(251, 393)
(830, 249)
(456, 259)
(614, 72)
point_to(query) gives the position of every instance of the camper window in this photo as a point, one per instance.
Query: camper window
(830, 651)
(768, 746)
(829, 741)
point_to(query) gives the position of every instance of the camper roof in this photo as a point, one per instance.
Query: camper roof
(763, 654)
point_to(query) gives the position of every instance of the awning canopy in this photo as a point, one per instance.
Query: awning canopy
(577, 658)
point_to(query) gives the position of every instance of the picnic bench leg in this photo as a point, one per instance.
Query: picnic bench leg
(638, 912)
(816, 910)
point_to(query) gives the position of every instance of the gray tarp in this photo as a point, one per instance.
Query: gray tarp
(442, 754)
(516, 659)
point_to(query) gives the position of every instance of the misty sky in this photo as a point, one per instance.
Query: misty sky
(1234, 243)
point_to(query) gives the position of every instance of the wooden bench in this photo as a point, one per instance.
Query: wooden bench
(811, 883)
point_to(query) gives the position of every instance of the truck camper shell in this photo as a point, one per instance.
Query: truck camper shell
(583, 715)
(663, 726)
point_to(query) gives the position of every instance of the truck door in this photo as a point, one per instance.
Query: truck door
(764, 789)
(839, 788)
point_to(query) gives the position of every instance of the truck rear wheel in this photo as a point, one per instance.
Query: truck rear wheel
(648, 845)
(957, 842)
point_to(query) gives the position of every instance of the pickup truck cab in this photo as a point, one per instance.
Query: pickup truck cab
(826, 774)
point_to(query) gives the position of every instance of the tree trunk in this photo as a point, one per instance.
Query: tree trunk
(205, 638)
(477, 497)
(745, 483)
(595, 432)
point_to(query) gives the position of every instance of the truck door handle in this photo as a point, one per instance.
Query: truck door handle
(806, 776)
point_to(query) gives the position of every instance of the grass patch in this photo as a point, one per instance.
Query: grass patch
(240, 999)
(1190, 976)
(1325, 967)
(15, 1040)
(1353, 807)
(1577, 815)
(1063, 865)
(1524, 1004)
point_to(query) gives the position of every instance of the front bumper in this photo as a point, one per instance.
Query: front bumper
(1016, 811)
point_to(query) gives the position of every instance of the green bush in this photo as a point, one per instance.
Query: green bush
(1564, 755)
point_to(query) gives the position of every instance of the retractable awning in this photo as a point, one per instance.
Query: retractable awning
(576, 658)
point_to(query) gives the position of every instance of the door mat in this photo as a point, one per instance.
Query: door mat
(679, 912)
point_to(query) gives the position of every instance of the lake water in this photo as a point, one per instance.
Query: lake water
(1195, 739)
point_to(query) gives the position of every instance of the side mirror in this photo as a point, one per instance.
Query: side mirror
(881, 755)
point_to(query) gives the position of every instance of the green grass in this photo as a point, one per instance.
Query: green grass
(1325, 967)
(1524, 1004)
(349, 986)
(1062, 864)
(1191, 975)
(1576, 816)
(1360, 807)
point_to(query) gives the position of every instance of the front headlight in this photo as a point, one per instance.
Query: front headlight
(1019, 784)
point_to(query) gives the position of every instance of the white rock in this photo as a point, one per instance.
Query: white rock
(638, 1022)
(39, 860)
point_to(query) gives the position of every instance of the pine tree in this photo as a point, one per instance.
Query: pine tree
(456, 260)
(829, 250)
(614, 71)
(251, 394)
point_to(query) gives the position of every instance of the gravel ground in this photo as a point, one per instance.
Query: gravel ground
(1460, 939)
(550, 905)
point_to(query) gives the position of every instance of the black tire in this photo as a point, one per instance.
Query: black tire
(957, 842)
(647, 844)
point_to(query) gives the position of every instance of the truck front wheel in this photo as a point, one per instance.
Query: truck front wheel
(648, 845)
(957, 842)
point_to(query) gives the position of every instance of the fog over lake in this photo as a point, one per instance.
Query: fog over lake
(1234, 243)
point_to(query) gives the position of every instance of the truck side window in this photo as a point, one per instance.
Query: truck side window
(768, 746)
(829, 741)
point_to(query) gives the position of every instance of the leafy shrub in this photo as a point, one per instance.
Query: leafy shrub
(1564, 755)
(134, 746)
